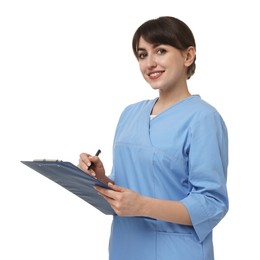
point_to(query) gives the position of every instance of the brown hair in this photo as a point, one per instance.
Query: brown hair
(166, 30)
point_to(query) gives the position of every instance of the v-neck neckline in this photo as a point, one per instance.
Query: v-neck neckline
(170, 107)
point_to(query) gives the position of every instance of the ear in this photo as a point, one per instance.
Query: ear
(189, 56)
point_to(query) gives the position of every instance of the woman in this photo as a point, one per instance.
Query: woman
(170, 157)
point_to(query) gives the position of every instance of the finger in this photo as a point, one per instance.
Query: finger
(100, 189)
(96, 161)
(85, 162)
(115, 187)
(85, 158)
(105, 192)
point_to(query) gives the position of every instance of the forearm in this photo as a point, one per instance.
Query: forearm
(166, 210)
(126, 202)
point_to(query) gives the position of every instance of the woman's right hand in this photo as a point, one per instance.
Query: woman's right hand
(97, 169)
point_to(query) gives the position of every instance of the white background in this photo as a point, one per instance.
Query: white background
(66, 73)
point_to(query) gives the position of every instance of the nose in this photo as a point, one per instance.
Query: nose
(151, 62)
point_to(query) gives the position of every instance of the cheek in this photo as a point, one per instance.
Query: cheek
(142, 67)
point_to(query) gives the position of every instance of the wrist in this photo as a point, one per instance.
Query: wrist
(144, 206)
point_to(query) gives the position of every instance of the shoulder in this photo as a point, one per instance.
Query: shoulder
(203, 113)
(199, 105)
(137, 107)
(201, 108)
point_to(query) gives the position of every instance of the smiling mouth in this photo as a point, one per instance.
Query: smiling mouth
(155, 75)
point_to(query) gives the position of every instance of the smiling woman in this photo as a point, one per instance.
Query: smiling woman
(166, 31)
(168, 182)
(166, 51)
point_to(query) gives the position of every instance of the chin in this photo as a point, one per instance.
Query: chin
(155, 87)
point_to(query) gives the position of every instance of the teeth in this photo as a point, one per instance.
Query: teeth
(154, 74)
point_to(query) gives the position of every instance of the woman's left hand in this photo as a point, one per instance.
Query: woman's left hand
(125, 202)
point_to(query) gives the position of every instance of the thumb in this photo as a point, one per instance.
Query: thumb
(115, 187)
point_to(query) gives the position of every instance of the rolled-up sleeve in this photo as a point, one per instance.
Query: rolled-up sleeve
(207, 202)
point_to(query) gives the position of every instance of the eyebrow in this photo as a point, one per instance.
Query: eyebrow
(140, 49)
(154, 46)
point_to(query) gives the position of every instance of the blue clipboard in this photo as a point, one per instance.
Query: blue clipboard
(74, 180)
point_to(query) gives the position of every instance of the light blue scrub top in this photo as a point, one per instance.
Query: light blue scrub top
(181, 154)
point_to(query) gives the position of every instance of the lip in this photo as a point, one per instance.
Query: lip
(155, 74)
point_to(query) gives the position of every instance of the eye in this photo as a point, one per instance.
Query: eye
(141, 55)
(161, 51)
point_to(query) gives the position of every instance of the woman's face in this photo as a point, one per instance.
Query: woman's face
(162, 66)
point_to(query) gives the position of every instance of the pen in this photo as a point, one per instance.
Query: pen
(97, 154)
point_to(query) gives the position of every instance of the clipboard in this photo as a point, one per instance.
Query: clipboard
(74, 180)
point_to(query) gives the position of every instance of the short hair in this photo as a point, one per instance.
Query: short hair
(169, 31)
